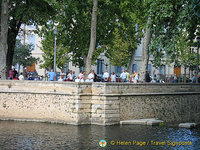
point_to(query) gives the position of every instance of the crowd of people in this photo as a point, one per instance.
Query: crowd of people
(70, 75)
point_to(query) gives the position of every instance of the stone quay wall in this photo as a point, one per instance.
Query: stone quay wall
(98, 103)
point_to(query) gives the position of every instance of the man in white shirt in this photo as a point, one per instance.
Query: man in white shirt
(21, 77)
(90, 77)
(106, 76)
(123, 76)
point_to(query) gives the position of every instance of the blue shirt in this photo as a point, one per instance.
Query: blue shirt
(51, 76)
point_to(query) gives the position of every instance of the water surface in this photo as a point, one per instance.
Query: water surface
(45, 136)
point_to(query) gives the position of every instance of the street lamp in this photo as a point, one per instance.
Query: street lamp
(55, 33)
(198, 39)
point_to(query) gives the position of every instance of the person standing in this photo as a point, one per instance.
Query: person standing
(11, 73)
(15, 74)
(70, 76)
(127, 76)
(147, 77)
(51, 76)
(62, 75)
(106, 76)
(113, 77)
(90, 77)
(21, 77)
(81, 76)
(175, 79)
(123, 76)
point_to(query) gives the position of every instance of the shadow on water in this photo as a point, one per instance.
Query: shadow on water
(30, 135)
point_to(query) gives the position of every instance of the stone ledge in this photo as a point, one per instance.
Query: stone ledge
(187, 125)
(149, 121)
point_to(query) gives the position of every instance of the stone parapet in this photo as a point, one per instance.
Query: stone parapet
(98, 103)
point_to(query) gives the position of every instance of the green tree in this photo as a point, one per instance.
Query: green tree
(36, 12)
(62, 53)
(170, 20)
(22, 55)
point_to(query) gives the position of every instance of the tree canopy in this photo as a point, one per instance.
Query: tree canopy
(22, 55)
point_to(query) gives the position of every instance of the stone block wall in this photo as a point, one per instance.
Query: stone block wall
(98, 103)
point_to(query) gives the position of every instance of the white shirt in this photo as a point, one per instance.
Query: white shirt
(81, 76)
(106, 75)
(91, 76)
(70, 76)
(113, 77)
(21, 77)
(123, 75)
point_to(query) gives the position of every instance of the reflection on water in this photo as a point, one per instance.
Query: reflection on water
(29, 135)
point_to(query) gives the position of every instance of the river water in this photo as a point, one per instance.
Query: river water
(30, 135)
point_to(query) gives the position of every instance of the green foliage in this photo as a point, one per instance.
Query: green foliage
(118, 51)
(170, 20)
(28, 12)
(22, 55)
(62, 53)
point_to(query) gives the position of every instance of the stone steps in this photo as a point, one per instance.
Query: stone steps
(148, 121)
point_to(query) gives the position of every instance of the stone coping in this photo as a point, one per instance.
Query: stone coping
(107, 95)
(100, 83)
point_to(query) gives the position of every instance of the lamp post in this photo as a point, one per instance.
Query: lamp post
(198, 39)
(55, 33)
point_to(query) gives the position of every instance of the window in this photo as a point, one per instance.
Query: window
(100, 68)
(82, 69)
(118, 70)
(31, 40)
(134, 68)
(162, 70)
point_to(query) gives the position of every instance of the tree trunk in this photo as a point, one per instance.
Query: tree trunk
(12, 34)
(3, 38)
(130, 65)
(145, 50)
(184, 74)
(92, 38)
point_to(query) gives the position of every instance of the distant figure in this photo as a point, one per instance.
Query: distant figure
(21, 77)
(193, 79)
(73, 75)
(147, 77)
(123, 76)
(81, 76)
(15, 75)
(127, 76)
(113, 77)
(106, 76)
(30, 77)
(70, 76)
(154, 79)
(62, 75)
(51, 76)
(175, 79)
(90, 77)
(11, 73)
